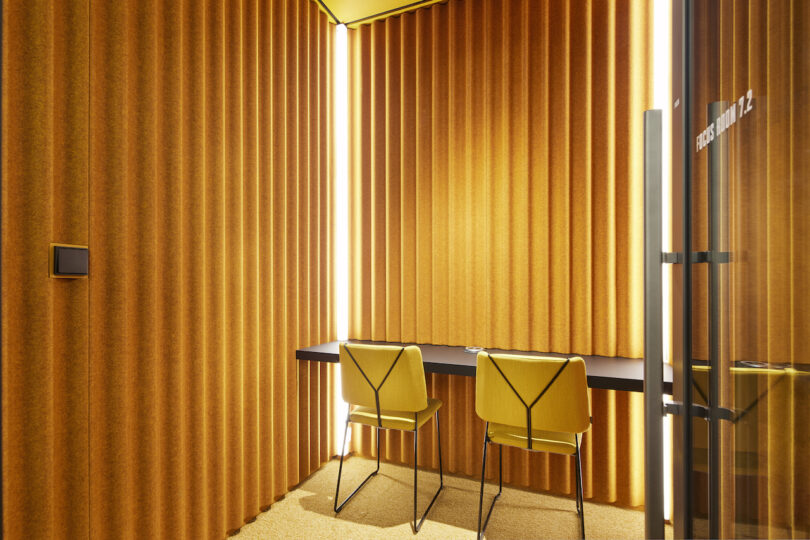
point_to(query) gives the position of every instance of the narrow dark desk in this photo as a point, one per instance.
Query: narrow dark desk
(611, 373)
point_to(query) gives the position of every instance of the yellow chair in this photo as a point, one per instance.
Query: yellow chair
(386, 386)
(535, 403)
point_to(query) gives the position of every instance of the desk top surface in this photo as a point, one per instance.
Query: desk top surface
(611, 373)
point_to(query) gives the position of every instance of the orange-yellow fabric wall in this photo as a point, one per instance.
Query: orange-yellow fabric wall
(496, 201)
(187, 143)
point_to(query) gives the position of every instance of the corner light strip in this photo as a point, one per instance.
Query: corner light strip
(341, 231)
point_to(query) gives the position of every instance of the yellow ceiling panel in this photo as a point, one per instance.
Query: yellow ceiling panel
(355, 12)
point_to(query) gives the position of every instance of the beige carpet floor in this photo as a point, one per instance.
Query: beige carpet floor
(384, 508)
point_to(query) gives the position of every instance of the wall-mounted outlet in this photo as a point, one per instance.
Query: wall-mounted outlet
(69, 261)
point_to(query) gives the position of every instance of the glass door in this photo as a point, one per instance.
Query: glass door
(742, 293)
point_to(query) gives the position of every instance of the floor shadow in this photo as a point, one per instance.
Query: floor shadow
(387, 501)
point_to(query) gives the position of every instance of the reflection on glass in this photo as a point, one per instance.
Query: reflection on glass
(762, 396)
(751, 298)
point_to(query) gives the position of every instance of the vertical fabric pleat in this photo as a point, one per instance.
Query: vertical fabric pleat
(70, 313)
(761, 46)
(45, 332)
(189, 145)
(496, 193)
(194, 424)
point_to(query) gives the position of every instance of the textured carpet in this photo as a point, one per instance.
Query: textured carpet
(384, 508)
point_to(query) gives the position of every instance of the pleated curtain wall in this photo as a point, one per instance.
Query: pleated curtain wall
(496, 201)
(761, 46)
(188, 144)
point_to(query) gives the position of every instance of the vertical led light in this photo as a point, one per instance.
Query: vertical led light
(341, 184)
(341, 232)
(662, 99)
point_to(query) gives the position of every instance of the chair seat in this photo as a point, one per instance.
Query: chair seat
(395, 419)
(542, 441)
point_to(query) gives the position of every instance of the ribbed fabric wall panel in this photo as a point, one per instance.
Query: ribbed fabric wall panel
(188, 144)
(496, 188)
(44, 158)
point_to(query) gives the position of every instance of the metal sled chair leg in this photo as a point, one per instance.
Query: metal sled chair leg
(580, 498)
(339, 507)
(483, 475)
(417, 526)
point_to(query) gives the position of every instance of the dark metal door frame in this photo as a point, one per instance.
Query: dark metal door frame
(685, 516)
(684, 513)
(653, 329)
(654, 408)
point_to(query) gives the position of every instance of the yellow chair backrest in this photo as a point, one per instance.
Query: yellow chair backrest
(557, 388)
(396, 372)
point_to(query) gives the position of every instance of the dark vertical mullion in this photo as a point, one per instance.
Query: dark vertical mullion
(716, 171)
(687, 267)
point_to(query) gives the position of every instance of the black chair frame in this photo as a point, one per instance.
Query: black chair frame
(416, 525)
